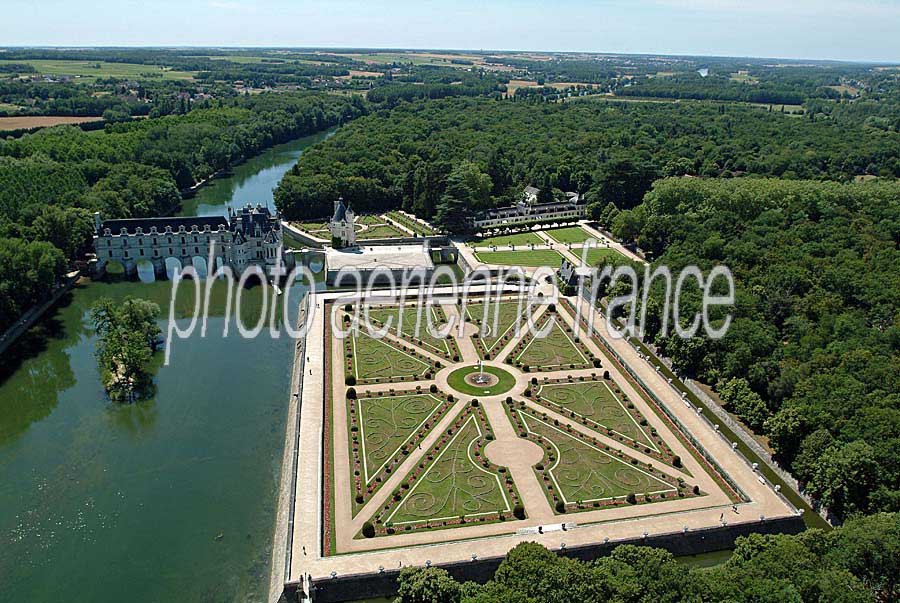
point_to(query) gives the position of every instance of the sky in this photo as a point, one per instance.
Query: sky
(858, 30)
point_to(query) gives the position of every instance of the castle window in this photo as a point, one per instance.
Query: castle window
(196, 250)
(126, 253)
(170, 251)
(142, 252)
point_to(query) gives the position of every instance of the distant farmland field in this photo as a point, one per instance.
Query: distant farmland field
(95, 69)
(40, 121)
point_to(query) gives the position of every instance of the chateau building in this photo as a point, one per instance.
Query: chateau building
(529, 210)
(157, 246)
(343, 230)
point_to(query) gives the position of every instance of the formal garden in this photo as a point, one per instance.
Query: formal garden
(455, 484)
(495, 324)
(420, 447)
(373, 360)
(559, 349)
(579, 472)
(414, 324)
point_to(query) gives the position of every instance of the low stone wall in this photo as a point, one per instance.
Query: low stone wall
(695, 542)
(435, 241)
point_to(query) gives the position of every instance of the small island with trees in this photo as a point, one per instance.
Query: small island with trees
(127, 338)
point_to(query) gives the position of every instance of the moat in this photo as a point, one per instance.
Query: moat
(168, 499)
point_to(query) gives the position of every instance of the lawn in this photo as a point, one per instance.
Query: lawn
(96, 69)
(501, 324)
(386, 424)
(596, 402)
(315, 228)
(457, 380)
(454, 485)
(596, 255)
(555, 351)
(379, 359)
(380, 231)
(570, 234)
(407, 323)
(519, 239)
(582, 471)
(528, 258)
(417, 227)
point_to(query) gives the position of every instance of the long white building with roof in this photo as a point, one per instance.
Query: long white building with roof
(153, 247)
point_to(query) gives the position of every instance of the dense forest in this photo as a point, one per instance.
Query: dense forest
(812, 358)
(52, 181)
(611, 151)
(857, 563)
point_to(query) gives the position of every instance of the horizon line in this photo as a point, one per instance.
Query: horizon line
(488, 51)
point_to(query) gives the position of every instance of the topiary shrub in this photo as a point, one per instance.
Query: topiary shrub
(519, 511)
(351, 393)
(350, 380)
(606, 375)
(475, 402)
(560, 506)
(696, 489)
(433, 388)
(596, 363)
(368, 530)
(676, 462)
(631, 498)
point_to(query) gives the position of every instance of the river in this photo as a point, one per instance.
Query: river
(170, 499)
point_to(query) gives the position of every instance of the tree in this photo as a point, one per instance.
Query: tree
(427, 585)
(627, 225)
(68, 229)
(844, 477)
(468, 190)
(127, 336)
(747, 404)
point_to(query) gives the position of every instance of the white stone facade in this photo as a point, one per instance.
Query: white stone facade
(250, 236)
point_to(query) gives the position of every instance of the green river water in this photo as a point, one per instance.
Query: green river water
(170, 499)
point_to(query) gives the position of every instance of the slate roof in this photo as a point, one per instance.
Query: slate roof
(131, 224)
(340, 212)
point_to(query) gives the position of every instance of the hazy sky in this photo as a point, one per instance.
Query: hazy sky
(836, 29)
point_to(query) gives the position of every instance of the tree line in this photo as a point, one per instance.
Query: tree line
(857, 563)
(812, 357)
(612, 152)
